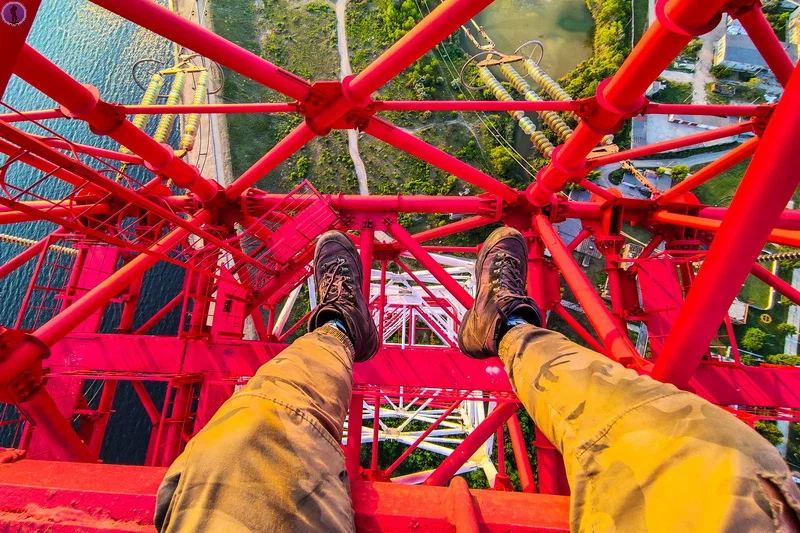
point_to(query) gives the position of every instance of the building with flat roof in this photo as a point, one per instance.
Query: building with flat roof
(793, 28)
(738, 53)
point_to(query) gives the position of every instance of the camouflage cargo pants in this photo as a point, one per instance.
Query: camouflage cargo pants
(640, 455)
(270, 459)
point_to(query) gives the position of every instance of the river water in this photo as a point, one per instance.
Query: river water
(563, 26)
(98, 48)
(95, 47)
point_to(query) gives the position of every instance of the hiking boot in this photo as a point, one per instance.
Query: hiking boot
(338, 276)
(501, 270)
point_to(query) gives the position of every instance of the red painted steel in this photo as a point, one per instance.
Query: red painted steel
(229, 275)
(754, 211)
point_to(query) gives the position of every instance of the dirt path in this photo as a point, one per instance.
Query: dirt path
(346, 70)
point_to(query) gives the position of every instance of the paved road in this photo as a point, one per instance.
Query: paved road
(702, 73)
(692, 160)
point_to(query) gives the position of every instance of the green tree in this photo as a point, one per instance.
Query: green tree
(783, 359)
(500, 160)
(679, 173)
(769, 430)
(721, 71)
(753, 339)
(786, 329)
(661, 171)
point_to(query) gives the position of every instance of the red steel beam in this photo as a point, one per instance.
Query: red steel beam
(789, 219)
(90, 150)
(26, 255)
(430, 31)
(716, 167)
(443, 304)
(623, 94)
(579, 329)
(224, 109)
(672, 144)
(429, 263)
(84, 103)
(769, 46)
(177, 29)
(654, 108)
(759, 201)
(521, 455)
(780, 236)
(24, 116)
(116, 189)
(258, 202)
(127, 495)
(619, 346)
(353, 448)
(279, 153)
(445, 471)
(367, 245)
(477, 105)
(60, 325)
(40, 164)
(402, 140)
(12, 39)
(776, 283)
(452, 228)
(403, 456)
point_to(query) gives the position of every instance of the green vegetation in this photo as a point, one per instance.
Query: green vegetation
(692, 50)
(755, 292)
(777, 17)
(640, 16)
(719, 190)
(753, 339)
(679, 173)
(611, 45)
(769, 430)
(286, 33)
(783, 359)
(748, 92)
(674, 93)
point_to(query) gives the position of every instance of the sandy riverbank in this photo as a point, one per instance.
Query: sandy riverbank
(211, 152)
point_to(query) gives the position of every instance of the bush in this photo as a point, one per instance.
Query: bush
(679, 173)
(786, 329)
(500, 160)
(753, 339)
(721, 71)
(783, 359)
(769, 430)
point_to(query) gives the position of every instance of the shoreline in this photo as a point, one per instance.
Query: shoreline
(212, 150)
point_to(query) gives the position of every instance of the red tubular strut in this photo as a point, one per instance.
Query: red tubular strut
(755, 209)
(623, 94)
(618, 344)
(445, 471)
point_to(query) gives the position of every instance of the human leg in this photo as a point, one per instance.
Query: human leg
(270, 458)
(640, 455)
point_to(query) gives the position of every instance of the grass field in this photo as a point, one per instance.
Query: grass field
(674, 93)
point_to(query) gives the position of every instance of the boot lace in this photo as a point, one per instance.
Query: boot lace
(337, 281)
(507, 279)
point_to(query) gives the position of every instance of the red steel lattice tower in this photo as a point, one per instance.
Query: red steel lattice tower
(246, 250)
